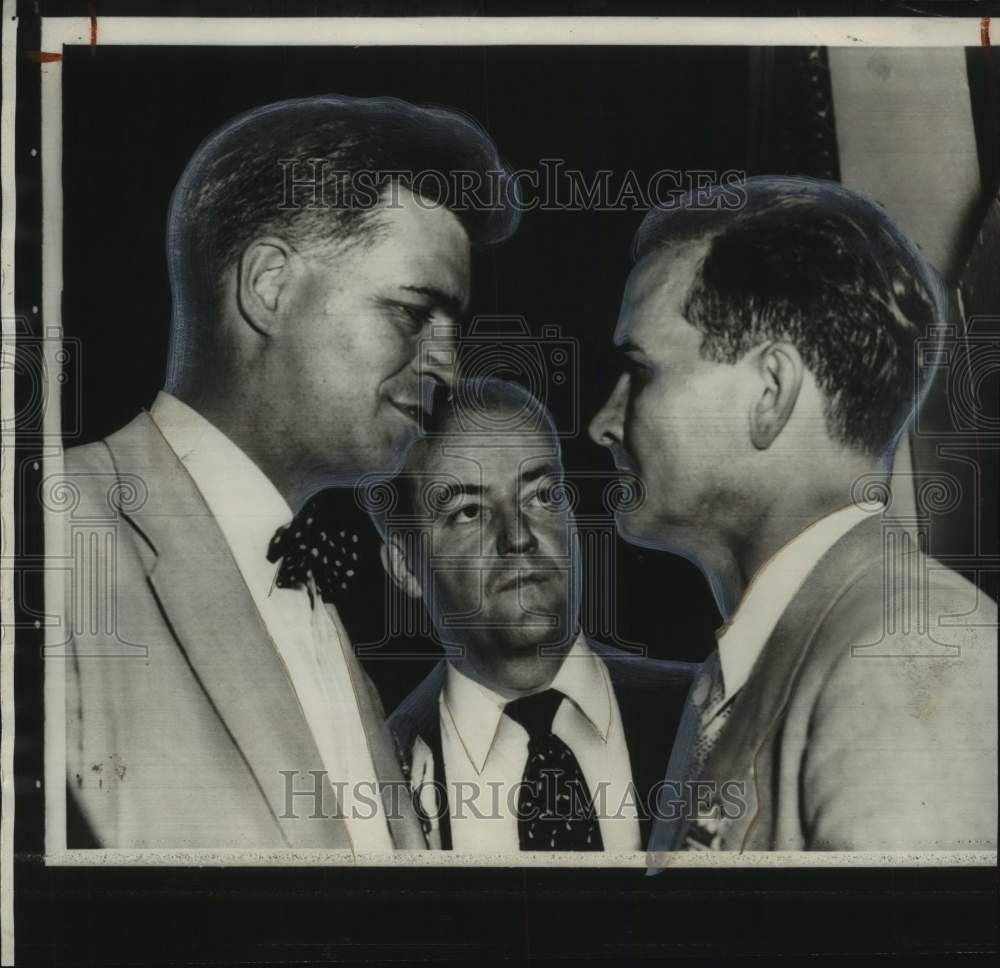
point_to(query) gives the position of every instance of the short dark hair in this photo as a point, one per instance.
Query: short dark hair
(826, 269)
(473, 408)
(234, 187)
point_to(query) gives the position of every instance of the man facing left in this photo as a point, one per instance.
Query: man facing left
(298, 360)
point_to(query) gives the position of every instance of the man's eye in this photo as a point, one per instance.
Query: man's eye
(417, 317)
(546, 497)
(466, 513)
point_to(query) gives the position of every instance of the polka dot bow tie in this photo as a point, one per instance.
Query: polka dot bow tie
(314, 547)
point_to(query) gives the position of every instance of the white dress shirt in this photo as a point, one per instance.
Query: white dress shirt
(309, 641)
(772, 589)
(485, 753)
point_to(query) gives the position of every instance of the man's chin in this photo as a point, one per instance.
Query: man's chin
(391, 458)
(636, 530)
(526, 637)
(660, 535)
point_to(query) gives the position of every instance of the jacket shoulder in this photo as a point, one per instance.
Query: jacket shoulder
(917, 646)
(896, 711)
(629, 669)
(98, 457)
(99, 477)
(88, 458)
(920, 608)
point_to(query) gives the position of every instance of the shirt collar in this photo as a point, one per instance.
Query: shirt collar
(242, 499)
(475, 710)
(772, 589)
(584, 679)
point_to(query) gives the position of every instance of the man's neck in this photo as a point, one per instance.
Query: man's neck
(236, 421)
(730, 559)
(783, 522)
(512, 676)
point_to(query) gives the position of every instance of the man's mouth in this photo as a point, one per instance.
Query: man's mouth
(524, 577)
(622, 461)
(411, 410)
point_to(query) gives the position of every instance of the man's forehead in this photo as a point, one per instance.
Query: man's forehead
(656, 291)
(414, 218)
(421, 243)
(464, 456)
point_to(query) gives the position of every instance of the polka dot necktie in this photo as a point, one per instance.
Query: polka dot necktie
(313, 549)
(554, 808)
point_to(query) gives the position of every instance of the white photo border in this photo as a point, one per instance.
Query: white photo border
(59, 33)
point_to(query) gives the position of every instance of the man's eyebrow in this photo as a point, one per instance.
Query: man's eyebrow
(448, 301)
(542, 470)
(454, 491)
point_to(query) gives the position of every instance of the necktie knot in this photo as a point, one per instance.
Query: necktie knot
(536, 713)
(314, 547)
(555, 810)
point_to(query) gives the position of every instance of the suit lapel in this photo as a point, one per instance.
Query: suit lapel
(429, 730)
(403, 822)
(759, 706)
(216, 623)
(647, 738)
(669, 822)
(418, 714)
(652, 719)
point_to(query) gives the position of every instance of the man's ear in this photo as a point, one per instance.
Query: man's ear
(780, 368)
(263, 273)
(398, 568)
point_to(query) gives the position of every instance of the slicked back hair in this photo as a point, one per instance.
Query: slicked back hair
(826, 269)
(235, 188)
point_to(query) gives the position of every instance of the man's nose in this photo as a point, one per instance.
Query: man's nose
(606, 427)
(515, 536)
(436, 359)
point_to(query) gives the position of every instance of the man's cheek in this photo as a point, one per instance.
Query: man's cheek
(444, 591)
(555, 539)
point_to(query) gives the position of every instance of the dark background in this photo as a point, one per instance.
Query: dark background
(133, 117)
(130, 126)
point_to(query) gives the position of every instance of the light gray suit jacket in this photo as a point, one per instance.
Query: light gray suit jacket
(185, 745)
(869, 722)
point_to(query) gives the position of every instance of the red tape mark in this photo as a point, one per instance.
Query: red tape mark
(984, 32)
(43, 56)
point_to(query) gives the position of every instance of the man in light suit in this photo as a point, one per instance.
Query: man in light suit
(770, 366)
(316, 291)
(528, 723)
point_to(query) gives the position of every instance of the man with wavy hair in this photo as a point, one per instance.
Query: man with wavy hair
(310, 263)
